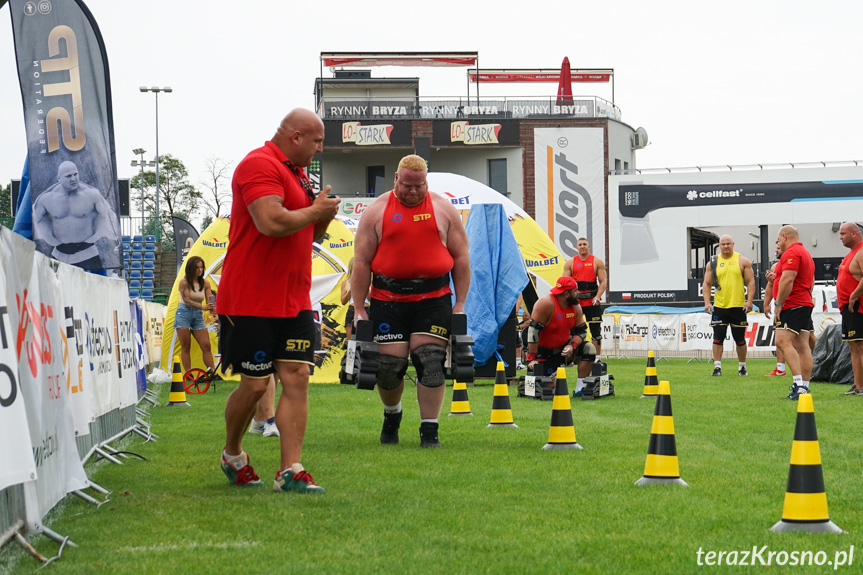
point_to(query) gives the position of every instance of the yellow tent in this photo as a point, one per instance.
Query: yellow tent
(329, 264)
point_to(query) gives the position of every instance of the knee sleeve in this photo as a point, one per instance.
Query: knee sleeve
(719, 332)
(429, 362)
(738, 334)
(595, 331)
(391, 370)
(585, 352)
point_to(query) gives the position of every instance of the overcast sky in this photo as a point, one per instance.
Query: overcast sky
(736, 82)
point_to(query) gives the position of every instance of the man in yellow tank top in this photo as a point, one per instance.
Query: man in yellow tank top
(731, 302)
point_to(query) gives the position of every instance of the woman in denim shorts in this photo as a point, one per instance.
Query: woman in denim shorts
(195, 295)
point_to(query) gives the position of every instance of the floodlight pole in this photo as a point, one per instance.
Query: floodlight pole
(156, 90)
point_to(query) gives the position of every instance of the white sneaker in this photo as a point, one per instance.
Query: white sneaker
(257, 426)
(520, 365)
(270, 430)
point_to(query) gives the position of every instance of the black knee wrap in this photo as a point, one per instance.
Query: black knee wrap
(429, 362)
(391, 370)
(738, 334)
(719, 332)
(585, 352)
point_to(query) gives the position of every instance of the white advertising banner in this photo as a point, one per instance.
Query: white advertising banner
(663, 332)
(111, 343)
(79, 376)
(569, 187)
(634, 331)
(15, 446)
(154, 325)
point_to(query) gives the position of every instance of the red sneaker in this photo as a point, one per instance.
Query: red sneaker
(776, 372)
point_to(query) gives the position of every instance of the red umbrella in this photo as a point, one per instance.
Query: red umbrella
(564, 87)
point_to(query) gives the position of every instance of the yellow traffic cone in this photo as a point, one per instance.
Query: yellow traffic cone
(460, 403)
(651, 389)
(501, 412)
(561, 433)
(178, 392)
(805, 507)
(661, 463)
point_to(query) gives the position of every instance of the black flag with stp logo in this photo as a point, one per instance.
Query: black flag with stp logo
(66, 91)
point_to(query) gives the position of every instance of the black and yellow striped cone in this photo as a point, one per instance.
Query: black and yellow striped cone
(651, 385)
(178, 392)
(661, 463)
(501, 412)
(460, 404)
(561, 433)
(805, 507)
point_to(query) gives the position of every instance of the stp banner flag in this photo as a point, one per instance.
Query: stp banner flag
(65, 88)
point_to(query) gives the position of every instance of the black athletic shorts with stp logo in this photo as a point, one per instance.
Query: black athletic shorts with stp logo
(251, 345)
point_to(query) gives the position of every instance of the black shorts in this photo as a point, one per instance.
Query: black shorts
(251, 345)
(395, 322)
(733, 316)
(852, 324)
(349, 315)
(795, 319)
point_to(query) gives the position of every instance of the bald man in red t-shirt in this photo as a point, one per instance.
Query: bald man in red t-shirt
(413, 242)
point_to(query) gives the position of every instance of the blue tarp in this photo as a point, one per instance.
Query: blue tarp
(23, 210)
(497, 277)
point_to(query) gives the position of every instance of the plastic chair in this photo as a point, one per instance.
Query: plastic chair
(126, 256)
(139, 239)
(136, 256)
(127, 247)
(135, 275)
(127, 239)
(148, 274)
(147, 294)
(134, 284)
(133, 293)
(136, 265)
(149, 256)
(150, 238)
(137, 247)
(148, 247)
(149, 265)
(147, 284)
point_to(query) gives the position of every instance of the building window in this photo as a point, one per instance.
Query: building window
(375, 183)
(497, 176)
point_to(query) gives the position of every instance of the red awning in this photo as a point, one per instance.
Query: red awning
(411, 59)
(517, 76)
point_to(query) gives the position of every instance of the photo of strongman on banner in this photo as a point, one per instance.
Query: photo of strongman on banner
(66, 94)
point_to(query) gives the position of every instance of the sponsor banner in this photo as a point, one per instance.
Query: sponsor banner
(475, 132)
(528, 108)
(111, 343)
(185, 235)
(368, 133)
(410, 59)
(66, 94)
(79, 377)
(569, 187)
(663, 332)
(16, 449)
(634, 330)
(154, 323)
(140, 351)
(353, 208)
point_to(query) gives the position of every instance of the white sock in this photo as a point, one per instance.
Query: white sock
(397, 408)
(717, 364)
(579, 384)
(780, 366)
(741, 364)
(236, 461)
(294, 468)
(797, 380)
(805, 384)
(428, 420)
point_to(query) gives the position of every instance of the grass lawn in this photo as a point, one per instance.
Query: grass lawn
(488, 501)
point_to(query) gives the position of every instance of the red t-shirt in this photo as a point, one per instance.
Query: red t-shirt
(262, 275)
(845, 282)
(796, 258)
(557, 331)
(410, 248)
(584, 273)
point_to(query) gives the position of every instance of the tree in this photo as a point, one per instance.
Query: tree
(177, 197)
(219, 199)
(208, 219)
(6, 201)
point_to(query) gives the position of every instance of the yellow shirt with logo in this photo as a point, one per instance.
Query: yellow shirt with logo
(730, 279)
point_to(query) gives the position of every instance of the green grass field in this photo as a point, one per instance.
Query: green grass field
(488, 501)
